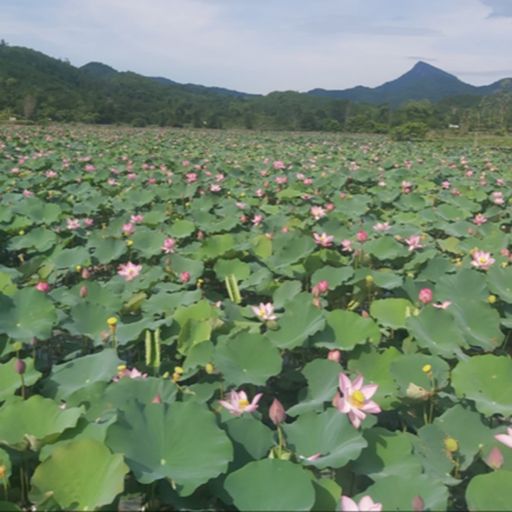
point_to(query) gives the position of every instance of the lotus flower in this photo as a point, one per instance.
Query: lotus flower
(238, 403)
(356, 399)
(169, 245)
(264, 311)
(482, 259)
(324, 240)
(129, 271)
(317, 212)
(413, 242)
(366, 504)
(425, 295)
(506, 439)
(479, 219)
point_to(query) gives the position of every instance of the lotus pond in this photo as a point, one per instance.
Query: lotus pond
(196, 320)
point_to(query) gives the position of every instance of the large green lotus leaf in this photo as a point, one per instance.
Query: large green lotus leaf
(80, 475)
(147, 241)
(247, 359)
(39, 211)
(490, 492)
(408, 369)
(329, 433)
(485, 380)
(272, 485)
(224, 268)
(436, 330)
(375, 366)
(500, 282)
(467, 428)
(35, 420)
(300, 321)
(118, 394)
(322, 377)
(335, 276)
(451, 245)
(66, 378)
(391, 312)
(252, 434)
(328, 494)
(388, 453)
(181, 228)
(217, 245)
(429, 447)
(351, 329)
(27, 314)
(107, 249)
(463, 285)
(163, 303)
(385, 278)
(385, 248)
(289, 249)
(89, 320)
(40, 239)
(180, 441)
(192, 333)
(397, 492)
(70, 258)
(10, 380)
(479, 322)
(7, 287)
(436, 268)
(181, 264)
(285, 293)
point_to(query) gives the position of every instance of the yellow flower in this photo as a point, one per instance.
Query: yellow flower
(451, 445)
(112, 321)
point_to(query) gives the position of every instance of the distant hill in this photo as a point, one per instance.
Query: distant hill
(422, 82)
(34, 86)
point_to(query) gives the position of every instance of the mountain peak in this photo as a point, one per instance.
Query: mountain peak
(423, 70)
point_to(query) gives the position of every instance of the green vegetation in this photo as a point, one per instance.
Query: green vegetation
(35, 87)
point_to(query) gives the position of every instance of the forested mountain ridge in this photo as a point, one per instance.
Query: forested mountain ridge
(34, 86)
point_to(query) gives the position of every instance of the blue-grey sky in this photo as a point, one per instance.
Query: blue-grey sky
(265, 45)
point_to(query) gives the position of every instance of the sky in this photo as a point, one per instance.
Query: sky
(259, 46)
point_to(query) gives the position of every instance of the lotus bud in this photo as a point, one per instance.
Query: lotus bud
(156, 400)
(84, 292)
(276, 412)
(19, 366)
(86, 273)
(43, 287)
(185, 277)
(334, 355)
(495, 459)
(425, 296)
(418, 505)
(362, 236)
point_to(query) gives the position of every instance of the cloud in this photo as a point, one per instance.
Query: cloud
(499, 8)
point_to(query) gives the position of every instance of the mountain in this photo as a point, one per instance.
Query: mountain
(422, 82)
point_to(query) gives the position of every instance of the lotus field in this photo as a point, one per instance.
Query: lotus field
(196, 320)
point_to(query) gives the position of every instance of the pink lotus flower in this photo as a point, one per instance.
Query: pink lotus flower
(238, 404)
(27, 193)
(356, 399)
(308, 181)
(128, 229)
(278, 164)
(482, 260)
(169, 245)
(43, 287)
(276, 412)
(362, 236)
(73, 224)
(445, 185)
(346, 246)
(259, 192)
(89, 168)
(442, 305)
(185, 277)
(413, 242)
(406, 186)
(132, 374)
(129, 271)
(320, 288)
(506, 439)
(323, 239)
(495, 458)
(366, 504)
(137, 219)
(215, 187)
(88, 222)
(479, 219)
(191, 177)
(264, 311)
(50, 174)
(425, 295)
(317, 212)
(281, 180)
(334, 355)
(257, 220)
(497, 198)
(381, 227)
